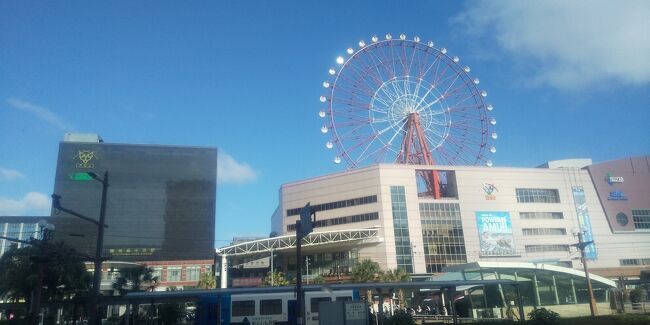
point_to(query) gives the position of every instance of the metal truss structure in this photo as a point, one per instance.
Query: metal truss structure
(289, 241)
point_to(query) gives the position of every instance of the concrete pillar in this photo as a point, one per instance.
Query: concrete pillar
(224, 272)
(503, 298)
(573, 290)
(557, 298)
(536, 289)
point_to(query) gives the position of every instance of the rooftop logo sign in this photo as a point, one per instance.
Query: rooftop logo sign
(85, 158)
(613, 179)
(489, 190)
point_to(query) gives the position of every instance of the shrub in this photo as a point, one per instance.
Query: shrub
(543, 316)
(399, 318)
(637, 295)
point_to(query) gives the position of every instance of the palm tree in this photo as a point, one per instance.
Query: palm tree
(138, 278)
(397, 275)
(206, 281)
(366, 271)
(278, 279)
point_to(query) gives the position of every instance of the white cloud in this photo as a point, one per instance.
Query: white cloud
(33, 203)
(568, 44)
(40, 112)
(231, 171)
(10, 174)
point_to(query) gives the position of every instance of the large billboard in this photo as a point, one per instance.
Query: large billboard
(584, 221)
(495, 233)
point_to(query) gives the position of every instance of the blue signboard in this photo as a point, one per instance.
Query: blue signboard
(495, 233)
(584, 220)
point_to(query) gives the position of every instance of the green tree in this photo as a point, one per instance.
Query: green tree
(366, 271)
(171, 313)
(138, 278)
(206, 281)
(637, 295)
(543, 316)
(400, 318)
(64, 274)
(318, 280)
(279, 279)
(397, 275)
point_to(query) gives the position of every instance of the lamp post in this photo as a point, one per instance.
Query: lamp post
(101, 224)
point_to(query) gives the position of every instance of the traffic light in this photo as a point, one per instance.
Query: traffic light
(306, 223)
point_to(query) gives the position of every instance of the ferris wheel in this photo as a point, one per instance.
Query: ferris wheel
(405, 101)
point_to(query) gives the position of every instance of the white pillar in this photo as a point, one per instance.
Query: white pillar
(224, 272)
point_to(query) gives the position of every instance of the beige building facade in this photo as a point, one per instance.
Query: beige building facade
(489, 214)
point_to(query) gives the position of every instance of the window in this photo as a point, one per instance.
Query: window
(541, 215)
(316, 301)
(193, 273)
(271, 307)
(243, 308)
(341, 220)
(543, 231)
(336, 205)
(442, 235)
(634, 261)
(173, 273)
(546, 248)
(537, 195)
(641, 219)
(447, 188)
(401, 229)
(157, 273)
(347, 298)
(621, 219)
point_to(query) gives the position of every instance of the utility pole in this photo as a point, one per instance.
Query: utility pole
(46, 233)
(99, 247)
(307, 268)
(581, 245)
(272, 270)
(304, 226)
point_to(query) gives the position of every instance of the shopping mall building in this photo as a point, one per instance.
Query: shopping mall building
(482, 214)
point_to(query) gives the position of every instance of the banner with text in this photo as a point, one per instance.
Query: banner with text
(495, 233)
(584, 221)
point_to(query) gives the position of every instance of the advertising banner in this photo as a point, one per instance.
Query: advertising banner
(495, 233)
(584, 221)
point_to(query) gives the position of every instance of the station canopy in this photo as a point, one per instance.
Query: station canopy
(315, 240)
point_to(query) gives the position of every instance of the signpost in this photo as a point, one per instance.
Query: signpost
(304, 227)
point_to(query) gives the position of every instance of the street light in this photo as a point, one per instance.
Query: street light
(101, 224)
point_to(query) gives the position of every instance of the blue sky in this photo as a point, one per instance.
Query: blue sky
(568, 79)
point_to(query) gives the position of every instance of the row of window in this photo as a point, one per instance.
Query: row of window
(543, 231)
(274, 306)
(634, 261)
(537, 195)
(341, 220)
(401, 228)
(641, 219)
(336, 205)
(541, 215)
(442, 235)
(546, 248)
(174, 273)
